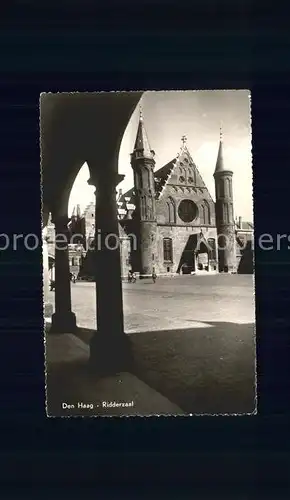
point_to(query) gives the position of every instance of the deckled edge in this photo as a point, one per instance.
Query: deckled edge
(185, 415)
(255, 412)
(42, 227)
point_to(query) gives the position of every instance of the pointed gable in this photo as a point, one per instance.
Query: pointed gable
(162, 175)
(181, 171)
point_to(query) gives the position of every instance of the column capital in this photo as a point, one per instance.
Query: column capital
(106, 178)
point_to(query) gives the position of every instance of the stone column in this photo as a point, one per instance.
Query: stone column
(110, 348)
(63, 320)
(48, 309)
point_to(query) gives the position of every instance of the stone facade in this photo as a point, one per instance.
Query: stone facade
(168, 221)
(76, 249)
(179, 225)
(171, 211)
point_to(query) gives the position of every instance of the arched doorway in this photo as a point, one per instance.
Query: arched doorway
(202, 257)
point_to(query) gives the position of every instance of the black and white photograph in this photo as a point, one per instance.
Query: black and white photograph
(148, 253)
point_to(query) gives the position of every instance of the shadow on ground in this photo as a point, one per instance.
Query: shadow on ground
(208, 370)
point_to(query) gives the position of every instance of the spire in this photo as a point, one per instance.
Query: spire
(220, 158)
(142, 143)
(78, 211)
(73, 212)
(221, 132)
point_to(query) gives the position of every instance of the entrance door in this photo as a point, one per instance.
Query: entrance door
(187, 260)
(202, 257)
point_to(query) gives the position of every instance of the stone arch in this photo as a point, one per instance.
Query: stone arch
(167, 250)
(140, 180)
(207, 214)
(202, 214)
(228, 187)
(221, 188)
(149, 207)
(226, 214)
(75, 129)
(211, 244)
(149, 178)
(171, 211)
(143, 206)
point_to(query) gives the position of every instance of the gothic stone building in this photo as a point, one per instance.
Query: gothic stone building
(86, 269)
(172, 216)
(76, 248)
(168, 221)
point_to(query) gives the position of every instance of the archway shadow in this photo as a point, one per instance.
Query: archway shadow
(209, 370)
(187, 257)
(203, 370)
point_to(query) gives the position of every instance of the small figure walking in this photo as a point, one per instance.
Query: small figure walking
(154, 275)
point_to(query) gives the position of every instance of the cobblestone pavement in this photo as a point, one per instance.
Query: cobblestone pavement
(175, 302)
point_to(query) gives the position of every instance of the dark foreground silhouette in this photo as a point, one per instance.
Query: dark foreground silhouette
(202, 370)
(246, 265)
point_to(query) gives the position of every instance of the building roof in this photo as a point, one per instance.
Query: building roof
(142, 142)
(161, 176)
(220, 166)
(245, 225)
(220, 160)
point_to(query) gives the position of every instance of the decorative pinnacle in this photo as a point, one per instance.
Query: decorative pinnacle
(141, 113)
(221, 132)
(184, 139)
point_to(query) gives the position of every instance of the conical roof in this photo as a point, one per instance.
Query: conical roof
(220, 167)
(220, 159)
(142, 142)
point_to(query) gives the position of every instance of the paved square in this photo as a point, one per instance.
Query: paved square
(192, 338)
(175, 302)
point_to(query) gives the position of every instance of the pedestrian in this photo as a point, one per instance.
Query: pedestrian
(154, 276)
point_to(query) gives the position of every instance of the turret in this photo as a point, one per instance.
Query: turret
(78, 211)
(143, 163)
(77, 227)
(224, 213)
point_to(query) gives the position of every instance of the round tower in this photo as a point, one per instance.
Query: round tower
(224, 213)
(143, 163)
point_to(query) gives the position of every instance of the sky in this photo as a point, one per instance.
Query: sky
(197, 114)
